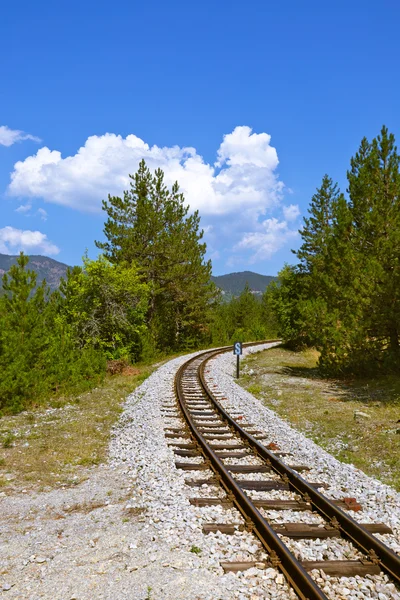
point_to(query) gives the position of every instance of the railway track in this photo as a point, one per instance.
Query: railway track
(217, 440)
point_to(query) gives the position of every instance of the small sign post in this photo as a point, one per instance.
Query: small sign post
(237, 350)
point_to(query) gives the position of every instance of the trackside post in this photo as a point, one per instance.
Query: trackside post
(237, 350)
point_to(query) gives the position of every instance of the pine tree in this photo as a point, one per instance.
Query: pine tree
(268, 313)
(312, 278)
(38, 356)
(374, 189)
(346, 290)
(317, 229)
(151, 227)
(289, 301)
(246, 312)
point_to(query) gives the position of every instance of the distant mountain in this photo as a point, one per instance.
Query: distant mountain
(46, 268)
(233, 284)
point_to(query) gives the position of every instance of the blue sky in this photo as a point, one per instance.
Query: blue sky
(247, 104)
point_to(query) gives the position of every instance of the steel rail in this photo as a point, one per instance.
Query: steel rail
(280, 555)
(373, 548)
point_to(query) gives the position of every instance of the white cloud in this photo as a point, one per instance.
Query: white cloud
(24, 208)
(238, 196)
(42, 213)
(8, 136)
(242, 147)
(291, 212)
(243, 178)
(271, 237)
(14, 240)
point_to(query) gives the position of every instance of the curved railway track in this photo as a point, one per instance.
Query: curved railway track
(213, 434)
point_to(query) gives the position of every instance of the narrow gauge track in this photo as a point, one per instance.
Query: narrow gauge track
(207, 421)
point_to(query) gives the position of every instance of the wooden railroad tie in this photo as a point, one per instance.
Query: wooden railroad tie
(262, 486)
(298, 505)
(296, 530)
(189, 446)
(221, 454)
(191, 466)
(261, 468)
(217, 436)
(334, 568)
(227, 446)
(206, 428)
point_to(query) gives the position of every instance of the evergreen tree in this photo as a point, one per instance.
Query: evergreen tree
(23, 334)
(304, 293)
(289, 301)
(374, 189)
(244, 318)
(151, 227)
(346, 289)
(37, 351)
(268, 313)
(317, 228)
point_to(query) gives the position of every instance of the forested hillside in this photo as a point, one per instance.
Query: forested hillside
(233, 284)
(45, 268)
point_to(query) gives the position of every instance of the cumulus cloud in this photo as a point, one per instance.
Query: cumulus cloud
(239, 195)
(291, 212)
(263, 244)
(8, 136)
(243, 177)
(14, 240)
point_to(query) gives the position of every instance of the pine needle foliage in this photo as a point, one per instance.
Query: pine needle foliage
(244, 318)
(38, 356)
(346, 285)
(150, 226)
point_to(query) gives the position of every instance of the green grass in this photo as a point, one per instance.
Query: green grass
(324, 409)
(7, 439)
(54, 445)
(149, 595)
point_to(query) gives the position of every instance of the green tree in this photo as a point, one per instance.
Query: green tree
(302, 295)
(23, 335)
(38, 356)
(318, 227)
(347, 285)
(268, 312)
(246, 316)
(106, 305)
(150, 227)
(374, 189)
(289, 301)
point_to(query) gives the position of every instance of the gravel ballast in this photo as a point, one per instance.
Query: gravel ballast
(129, 531)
